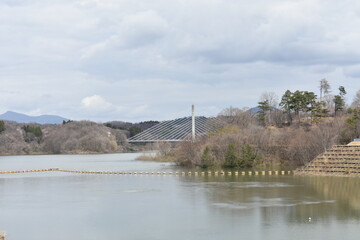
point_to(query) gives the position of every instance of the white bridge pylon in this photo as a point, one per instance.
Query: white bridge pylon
(181, 129)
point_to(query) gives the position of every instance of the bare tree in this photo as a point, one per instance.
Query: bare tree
(356, 101)
(272, 101)
(236, 116)
(324, 88)
(271, 98)
(328, 99)
(230, 112)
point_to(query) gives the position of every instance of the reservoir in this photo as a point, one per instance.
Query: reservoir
(59, 206)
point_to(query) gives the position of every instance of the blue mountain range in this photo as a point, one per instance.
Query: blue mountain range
(23, 118)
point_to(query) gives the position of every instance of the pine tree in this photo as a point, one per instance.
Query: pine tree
(264, 108)
(248, 157)
(339, 100)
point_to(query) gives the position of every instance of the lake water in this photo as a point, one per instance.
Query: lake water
(56, 205)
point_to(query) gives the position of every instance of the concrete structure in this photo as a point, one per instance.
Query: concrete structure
(356, 142)
(340, 160)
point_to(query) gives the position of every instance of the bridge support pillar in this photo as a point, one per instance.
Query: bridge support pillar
(193, 122)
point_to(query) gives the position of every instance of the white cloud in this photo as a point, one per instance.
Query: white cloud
(97, 103)
(96, 106)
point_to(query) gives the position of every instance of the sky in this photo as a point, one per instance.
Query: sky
(136, 60)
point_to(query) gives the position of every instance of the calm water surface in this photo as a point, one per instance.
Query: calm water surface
(55, 205)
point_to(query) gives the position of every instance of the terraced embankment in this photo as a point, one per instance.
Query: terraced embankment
(340, 160)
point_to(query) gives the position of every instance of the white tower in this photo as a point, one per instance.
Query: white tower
(193, 122)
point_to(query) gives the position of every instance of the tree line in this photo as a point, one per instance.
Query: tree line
(304, 103)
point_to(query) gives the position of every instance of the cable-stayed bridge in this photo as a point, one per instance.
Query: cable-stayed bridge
(181, 129)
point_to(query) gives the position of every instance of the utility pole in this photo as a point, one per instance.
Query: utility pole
(193, 123)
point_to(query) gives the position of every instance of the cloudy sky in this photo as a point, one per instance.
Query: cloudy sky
(136, 60)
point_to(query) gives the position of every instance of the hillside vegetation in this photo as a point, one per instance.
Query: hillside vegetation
(290, 132)
(70, 137)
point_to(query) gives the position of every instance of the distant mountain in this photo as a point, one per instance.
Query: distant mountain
(256, 110)
(23, 118)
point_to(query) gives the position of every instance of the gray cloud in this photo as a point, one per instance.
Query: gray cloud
(152, 59)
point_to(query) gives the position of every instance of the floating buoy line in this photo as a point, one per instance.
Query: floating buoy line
(189, 173)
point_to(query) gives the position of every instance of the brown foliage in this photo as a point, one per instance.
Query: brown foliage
(12, 140)
(82, 136)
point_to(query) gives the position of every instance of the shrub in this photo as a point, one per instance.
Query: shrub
(232, 159)
(207, 159)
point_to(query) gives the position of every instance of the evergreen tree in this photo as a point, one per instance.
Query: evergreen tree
(248, 157)
(318, 111)
(231, 157)
(297, 102)
(353, 121)
(246, 160)
(339, 100)
(286, 103)
(134, 130)
(2, 126)
(264, 108)
(32, 133)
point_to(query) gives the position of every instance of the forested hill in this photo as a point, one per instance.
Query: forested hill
(132, 128)
(69, 137)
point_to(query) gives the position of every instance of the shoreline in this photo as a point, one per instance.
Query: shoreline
(74, 153)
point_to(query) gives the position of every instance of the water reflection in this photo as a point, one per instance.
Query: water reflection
(345, 191)
(295, 199)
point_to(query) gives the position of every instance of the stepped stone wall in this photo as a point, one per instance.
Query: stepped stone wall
(340, 160)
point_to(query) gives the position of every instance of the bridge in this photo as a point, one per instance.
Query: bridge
(181, 129)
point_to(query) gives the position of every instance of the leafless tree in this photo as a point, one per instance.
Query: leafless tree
(271, 98)
(230, 112)
(236, 116)
(273, 101)
(356, 101)
(324, 88)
